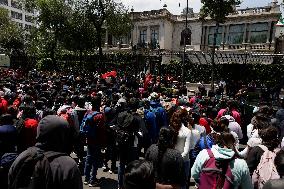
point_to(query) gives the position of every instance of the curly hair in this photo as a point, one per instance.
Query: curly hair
(270, 137)
(178, 118)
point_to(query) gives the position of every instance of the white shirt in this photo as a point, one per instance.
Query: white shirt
(200, 129)
(183, 144)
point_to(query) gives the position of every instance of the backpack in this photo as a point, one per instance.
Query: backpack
(151, 125)
(161, 118)
(216, 174)
(205, 142)
(88, 126)
(266, 169)
(124, 130)
(32, 170)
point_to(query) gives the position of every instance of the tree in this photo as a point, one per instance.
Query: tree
(11, 35)
(217, 10)
(103, 13)
(53, 18)
(79, 35)
(118, 22)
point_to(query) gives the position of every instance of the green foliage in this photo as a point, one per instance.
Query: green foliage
(79, 33)
(270, 74)
(118, 21)
(108, 13)
(218, 9)
(11, 35)
(72, 27)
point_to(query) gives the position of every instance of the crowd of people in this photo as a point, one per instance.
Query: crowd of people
(160, 138)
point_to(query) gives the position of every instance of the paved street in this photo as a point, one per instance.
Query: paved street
(109, 181)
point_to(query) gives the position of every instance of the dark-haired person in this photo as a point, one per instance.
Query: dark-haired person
(183, 137)
(8, 134)
(139, 174)
(53, 138)
(279, 164)
(230, 110)
(27, 128)
(168, 162)
(95, 142)
(225, 154)
(259, 122)
(8, 141)
(269, 138)
(133, 125)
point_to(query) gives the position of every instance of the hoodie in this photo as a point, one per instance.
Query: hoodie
(53, 135)
(239, 167)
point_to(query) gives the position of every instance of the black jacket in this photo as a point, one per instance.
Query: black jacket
(170, 170)
(53, 134)
(253, 158)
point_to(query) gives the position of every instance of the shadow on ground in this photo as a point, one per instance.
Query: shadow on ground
(108, 183)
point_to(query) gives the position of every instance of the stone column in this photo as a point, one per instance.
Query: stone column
(249, 32)
(272, 46)
(269, 31)
(206, 37)
(227, 37)
(245, 33)
(203, 37)
(162, 36)
(268, 36)
(106, 40)
(148, 34)
(223, 36)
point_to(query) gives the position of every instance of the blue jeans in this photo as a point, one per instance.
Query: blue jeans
(93, 161)
(126, 156)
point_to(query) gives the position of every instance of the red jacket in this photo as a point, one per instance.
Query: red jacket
(3, 105)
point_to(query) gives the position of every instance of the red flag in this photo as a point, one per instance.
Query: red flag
(109, 74)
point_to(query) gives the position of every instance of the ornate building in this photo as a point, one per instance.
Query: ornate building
(251, 29)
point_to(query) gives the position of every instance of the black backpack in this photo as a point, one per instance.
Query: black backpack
(124, 130)
(32, 170)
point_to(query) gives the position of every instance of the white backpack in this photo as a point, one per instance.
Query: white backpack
(266, 169)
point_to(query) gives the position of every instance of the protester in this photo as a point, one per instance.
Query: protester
(8, 142)
(279, 163)
(168, 162)
(94, 126)
(44, 159)
(260, 158)
(121, 116)
(139, 174)
(223, 157)
(182, 140)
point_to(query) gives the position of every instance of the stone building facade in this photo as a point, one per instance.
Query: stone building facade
(251, 29)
